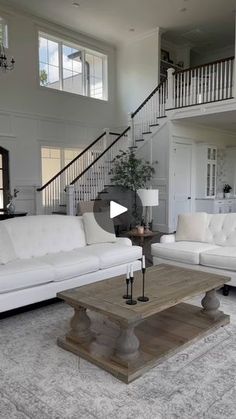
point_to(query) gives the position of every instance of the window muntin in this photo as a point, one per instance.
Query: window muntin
(71, 68)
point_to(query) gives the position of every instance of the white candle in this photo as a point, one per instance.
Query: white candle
(132, 271)
(127, 274)
(143, 262)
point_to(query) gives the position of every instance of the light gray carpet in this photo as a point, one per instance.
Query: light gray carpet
(38, 380)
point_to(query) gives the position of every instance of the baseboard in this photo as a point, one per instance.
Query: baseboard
(29, 307)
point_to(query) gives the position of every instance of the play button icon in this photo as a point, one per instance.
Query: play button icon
(116, 209)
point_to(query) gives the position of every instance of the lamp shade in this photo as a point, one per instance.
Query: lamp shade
(149, 197)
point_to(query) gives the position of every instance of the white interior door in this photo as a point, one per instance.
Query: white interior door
(182, 185)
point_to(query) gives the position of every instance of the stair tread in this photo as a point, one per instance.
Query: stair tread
(147, 132)
(141, 139)
(153, 125)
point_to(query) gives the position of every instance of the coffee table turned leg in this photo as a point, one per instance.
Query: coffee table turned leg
(210, 304)
(80, 326)
(127, 344)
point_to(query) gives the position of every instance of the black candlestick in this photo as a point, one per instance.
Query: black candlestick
(131, 302)
(143, 298)
(127, 296)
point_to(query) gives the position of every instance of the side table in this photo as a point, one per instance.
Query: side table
(144, 240)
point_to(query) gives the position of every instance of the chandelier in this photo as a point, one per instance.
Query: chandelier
(4, 63)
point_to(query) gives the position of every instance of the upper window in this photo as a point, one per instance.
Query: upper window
(4, 178)
(72, 68)
(3, 33)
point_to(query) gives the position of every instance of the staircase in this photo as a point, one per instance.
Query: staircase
(85, 177)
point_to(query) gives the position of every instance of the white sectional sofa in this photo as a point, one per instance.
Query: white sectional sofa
(205, 242)
(42, 255)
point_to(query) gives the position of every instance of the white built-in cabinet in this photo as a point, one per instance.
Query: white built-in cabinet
(216, 206)
(206, 168)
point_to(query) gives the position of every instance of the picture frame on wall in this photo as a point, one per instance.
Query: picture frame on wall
(165, 56)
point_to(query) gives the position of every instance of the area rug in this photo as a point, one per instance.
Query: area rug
(38, 380)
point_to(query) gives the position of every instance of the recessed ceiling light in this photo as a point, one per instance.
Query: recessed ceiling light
(75, 4)
(131, 29)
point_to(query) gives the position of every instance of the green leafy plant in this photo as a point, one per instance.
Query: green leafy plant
(132, 173)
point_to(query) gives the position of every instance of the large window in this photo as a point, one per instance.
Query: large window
(4, 178)
(68, 67)
(3, 33)
(54, 159)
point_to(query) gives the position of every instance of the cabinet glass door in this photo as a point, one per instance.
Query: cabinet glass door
(213, 180)
(208, 186)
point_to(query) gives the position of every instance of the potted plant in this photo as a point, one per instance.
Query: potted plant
(131, 173)
(226, 189)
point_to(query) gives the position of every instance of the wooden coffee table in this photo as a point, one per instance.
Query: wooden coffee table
(147, 333)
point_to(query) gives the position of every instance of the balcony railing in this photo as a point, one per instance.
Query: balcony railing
(202, 84)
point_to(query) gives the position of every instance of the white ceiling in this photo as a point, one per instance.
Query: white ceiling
(222, 120)
(111, 19)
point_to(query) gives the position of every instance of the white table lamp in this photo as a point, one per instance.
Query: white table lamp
(149, 198)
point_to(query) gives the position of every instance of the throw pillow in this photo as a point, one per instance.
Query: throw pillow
(191, 227)
(93, 228)
(7, 252)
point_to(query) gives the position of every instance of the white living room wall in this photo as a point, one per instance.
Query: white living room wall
(193, 134)
(137, 71)
(31, 116)
(160, 147)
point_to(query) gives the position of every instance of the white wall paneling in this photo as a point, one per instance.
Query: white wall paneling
(31, 132)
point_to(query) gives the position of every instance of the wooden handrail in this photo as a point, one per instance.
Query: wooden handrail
(204, 65)
(147, 99)
(72, 161)
(99, 157)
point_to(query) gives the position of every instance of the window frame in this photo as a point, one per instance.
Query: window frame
(72, 44)
(5, 177)
(5, 40)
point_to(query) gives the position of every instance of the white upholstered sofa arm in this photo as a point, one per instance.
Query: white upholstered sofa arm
(167, 238)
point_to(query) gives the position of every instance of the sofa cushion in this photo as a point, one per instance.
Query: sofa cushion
(113, 254)
(221, 229)
(191, 227)
(20, 274)
(94, 232)
(186, 252)
(7, 252)
(38, 235)
(68, 265)
(220, 257)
